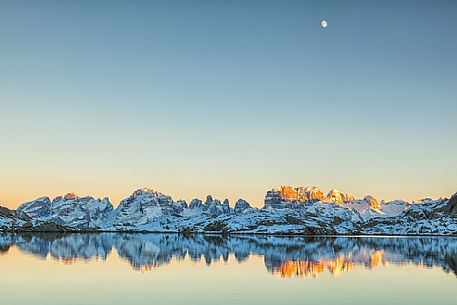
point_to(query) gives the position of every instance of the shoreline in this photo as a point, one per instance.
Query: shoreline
(225, 234)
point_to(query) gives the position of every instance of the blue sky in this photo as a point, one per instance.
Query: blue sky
(227, 97)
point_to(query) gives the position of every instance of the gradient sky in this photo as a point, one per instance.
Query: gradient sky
(227, 97)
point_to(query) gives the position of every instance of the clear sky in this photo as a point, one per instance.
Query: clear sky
(227, 97)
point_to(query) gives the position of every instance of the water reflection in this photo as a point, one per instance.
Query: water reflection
(283, 256)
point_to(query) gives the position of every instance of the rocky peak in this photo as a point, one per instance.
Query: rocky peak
(41, 200)
(282, 196)
(209, 200)
(149, 196)
(195, 203)
(226, 206)
(182, 203)
(425, 201)
(145, 191)
(213, 206)
(313, 193)
(70, 196)
(5, 212)
(241, 205)
(450, 208)
(372, 202)
(179, 206)
(339, 197)
(300, 194)
(37, 208)
(286, 196)
(58, 198)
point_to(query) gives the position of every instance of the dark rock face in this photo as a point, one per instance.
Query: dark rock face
(182, 203)
(450, 209)
(226, 207)
(195, 204)
(209, 201)
(178, 206)
(241, 205)
(12, 216)
(215, 207)
(273, 199)
(5, 212)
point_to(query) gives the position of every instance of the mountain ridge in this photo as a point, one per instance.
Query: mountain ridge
(287, 210)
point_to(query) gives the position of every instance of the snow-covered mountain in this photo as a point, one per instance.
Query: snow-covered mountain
(287, 210)
(69, 210)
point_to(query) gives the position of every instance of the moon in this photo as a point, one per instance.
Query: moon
(324, 23)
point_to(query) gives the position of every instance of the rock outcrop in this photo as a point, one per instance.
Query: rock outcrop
(241, 205)
(339, 197)
(195, 204)
(450, 209)
(374, 204)
(287, 196)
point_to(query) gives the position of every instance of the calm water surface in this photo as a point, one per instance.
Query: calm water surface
(112, 268)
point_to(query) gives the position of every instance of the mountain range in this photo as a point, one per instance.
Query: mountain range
(287, 210)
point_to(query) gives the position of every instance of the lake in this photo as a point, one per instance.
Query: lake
(117, 268)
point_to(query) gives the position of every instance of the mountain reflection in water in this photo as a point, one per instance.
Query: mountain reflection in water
(283, 256)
